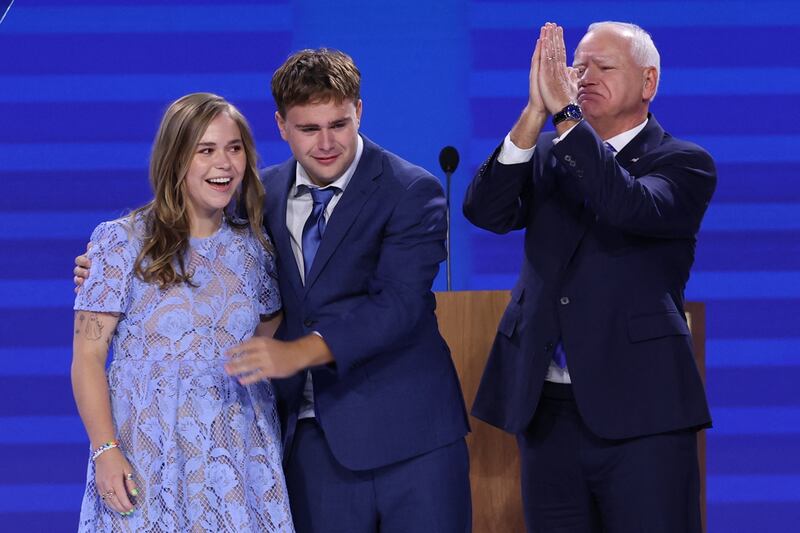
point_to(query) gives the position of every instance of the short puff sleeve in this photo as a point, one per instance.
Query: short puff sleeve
(113, 254)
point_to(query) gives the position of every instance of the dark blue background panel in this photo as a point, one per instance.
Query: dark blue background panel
(193, 53)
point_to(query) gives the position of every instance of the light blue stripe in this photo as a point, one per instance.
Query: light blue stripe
(729, 353)
(498, 84)
(756, 420)
(751, 217)
(706, 285)
(90, 156)
(255, 86)
(42, 430)
(38, 293)
(647, 14)
(41, 498)
(53, 224)
(674, 82)
(132, 88)
(490, 281)
(723, 81)
(35, 361)
(95, 156)
(150, 19)
(742, 489)
(750, 148)
(723, 148)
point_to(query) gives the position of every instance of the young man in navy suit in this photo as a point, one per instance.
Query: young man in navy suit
(592, 367)
(372, 411)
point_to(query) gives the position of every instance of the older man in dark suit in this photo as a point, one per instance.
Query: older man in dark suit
(592, 367)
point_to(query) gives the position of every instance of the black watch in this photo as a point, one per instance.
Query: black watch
(571, 111)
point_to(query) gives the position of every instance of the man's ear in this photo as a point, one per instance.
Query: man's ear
(281, 122)
(650, 82)
(359, 108)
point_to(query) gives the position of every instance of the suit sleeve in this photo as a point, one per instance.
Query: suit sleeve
(399, 296)
(499, 196)
(668, 201)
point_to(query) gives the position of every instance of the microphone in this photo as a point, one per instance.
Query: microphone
(448, 160)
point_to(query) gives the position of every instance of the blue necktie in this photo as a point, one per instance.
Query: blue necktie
(559, 355)
(315, 224)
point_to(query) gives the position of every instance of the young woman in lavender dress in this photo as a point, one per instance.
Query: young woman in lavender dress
(177, 445)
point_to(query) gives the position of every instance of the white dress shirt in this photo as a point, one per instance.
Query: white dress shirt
(511, 154)
(298, 209)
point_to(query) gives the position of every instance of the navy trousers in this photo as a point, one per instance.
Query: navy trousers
(576, 482)
(429, 493)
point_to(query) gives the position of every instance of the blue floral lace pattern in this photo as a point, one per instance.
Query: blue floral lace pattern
(206, 451)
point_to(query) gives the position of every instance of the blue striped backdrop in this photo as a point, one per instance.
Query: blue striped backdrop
(83, 85)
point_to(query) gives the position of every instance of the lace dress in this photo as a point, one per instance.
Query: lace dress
(205, 450)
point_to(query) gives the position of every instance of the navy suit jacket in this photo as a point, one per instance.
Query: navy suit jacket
(609, 243)
(392, 392)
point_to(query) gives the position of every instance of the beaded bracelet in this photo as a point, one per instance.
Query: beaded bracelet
(104, 448)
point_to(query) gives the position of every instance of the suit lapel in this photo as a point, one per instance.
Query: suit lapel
(645, 142)
(359, 189)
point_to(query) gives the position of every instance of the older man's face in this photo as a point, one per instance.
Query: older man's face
(612, 88)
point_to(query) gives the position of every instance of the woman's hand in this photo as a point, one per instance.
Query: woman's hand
(113, 477)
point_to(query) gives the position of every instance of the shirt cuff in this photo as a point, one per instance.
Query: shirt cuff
(510, 154)
(564, 135)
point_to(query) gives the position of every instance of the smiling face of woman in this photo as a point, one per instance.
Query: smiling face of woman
(216, 170)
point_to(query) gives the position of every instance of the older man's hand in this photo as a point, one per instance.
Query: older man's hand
(558, 83)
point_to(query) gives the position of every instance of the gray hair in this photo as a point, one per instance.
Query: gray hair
(643, 49)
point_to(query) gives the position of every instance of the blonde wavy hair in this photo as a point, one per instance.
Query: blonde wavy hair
(166, 240)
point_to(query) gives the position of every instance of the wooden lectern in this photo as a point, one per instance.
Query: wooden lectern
(468, 322)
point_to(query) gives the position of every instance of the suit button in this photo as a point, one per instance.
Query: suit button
(564, 300)
(548, 346)
(308, 323)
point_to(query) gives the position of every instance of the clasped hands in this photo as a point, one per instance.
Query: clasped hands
(552, 84)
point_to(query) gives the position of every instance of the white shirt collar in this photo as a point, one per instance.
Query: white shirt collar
(620, 141)
(301, 176)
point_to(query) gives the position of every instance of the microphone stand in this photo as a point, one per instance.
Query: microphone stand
(447, 241)
(448, 160)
